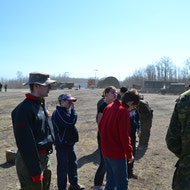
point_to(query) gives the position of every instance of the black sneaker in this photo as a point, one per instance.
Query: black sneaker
(134, 176)
(76, 187)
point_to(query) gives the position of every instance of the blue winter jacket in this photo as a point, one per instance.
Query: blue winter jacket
(64, 126)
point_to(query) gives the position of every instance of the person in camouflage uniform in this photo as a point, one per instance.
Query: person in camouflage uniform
(146, 115)
(178, 141)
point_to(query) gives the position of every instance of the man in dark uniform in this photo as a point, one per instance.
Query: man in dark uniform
(34, 135)
(5, 86)
(1, 87)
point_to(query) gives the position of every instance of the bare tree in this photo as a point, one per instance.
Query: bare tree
(175, 73)
(187, 67)
(166, 65)
(158, 67)
(19, 75)
(150, 72)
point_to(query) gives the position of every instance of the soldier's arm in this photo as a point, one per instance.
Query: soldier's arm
(173, 136)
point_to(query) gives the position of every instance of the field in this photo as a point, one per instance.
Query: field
(154, 167)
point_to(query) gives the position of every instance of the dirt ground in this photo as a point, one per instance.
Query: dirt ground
(154, 166)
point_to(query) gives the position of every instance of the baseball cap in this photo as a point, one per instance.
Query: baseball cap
(66, 97)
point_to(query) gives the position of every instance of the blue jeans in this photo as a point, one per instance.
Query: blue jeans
(66, 164)
(117, 175)
(99, 176)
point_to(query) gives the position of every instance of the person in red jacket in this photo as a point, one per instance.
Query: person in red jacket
(114, 128)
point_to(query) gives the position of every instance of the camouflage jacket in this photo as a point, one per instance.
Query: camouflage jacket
(178, 134)
(178, 141)
(145, 110)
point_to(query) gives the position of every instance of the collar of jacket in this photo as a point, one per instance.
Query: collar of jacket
(62, 108)
(121, 103)
(32, 97)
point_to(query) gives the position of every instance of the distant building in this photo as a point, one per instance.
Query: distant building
(91, 83)
(163, 87)
(174, 88)
(108, 81)
(153, 86)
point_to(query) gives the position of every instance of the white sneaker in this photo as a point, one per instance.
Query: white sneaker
(97, 187)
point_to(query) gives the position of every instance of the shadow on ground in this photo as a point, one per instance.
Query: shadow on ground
(140, 152)
(7, 165)
(94, 157)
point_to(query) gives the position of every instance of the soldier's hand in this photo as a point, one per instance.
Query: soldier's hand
(131, 160)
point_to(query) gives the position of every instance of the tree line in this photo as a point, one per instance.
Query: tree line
(163, 70)
(21, 79)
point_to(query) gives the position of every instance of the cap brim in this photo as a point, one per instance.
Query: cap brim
(46, 83)
(72, 99)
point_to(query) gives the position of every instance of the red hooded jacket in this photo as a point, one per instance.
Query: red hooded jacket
(114, 128)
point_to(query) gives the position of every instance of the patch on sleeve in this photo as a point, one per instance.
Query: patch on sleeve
(20, 124)
(48, 113)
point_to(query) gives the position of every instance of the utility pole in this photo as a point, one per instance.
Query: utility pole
(95, 70)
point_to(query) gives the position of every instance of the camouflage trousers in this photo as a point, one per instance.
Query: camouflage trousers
(181, 179)
(25, 179)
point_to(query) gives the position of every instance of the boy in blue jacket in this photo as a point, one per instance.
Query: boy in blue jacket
(66, 135)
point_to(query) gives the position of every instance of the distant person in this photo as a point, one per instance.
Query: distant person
(110, 94)
(135, 129)
(66, 135)
(114, 128)
(121, 92)
(33, 131)
(5, 86)
(146, 115)
(1, 87)
(178, 141)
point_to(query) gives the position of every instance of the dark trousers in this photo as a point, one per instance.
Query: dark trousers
(131, 165)
(66, 165)
(25, 179)
(99, 176)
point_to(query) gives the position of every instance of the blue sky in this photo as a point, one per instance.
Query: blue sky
(88, 38)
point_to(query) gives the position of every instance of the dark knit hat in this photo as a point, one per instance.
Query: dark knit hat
(123, 89)
(127, 97)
